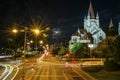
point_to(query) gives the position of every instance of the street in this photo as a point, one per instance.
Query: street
(49, 68)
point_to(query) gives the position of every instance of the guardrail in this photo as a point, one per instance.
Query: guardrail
(81, 59)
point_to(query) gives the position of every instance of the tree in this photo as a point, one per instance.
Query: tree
(113, 48)
(112, 31)
(116, 45)
(76, 49)
(62, 51)
(55, 51)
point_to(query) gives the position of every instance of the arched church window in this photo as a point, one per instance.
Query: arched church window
(71, 43)
(101, 38)
(100, 34)
(75, 39)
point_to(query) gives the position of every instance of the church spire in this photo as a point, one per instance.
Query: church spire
(111, 23)
(78, 31)
(119, 29)
(91, 11)
(97, 16)
(88, 16)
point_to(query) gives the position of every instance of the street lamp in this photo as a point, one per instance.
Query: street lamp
(31, 41)
(25, 31)
(90, 46)
(36, 31)
(41, 42)
(14, 31)
(47, 46)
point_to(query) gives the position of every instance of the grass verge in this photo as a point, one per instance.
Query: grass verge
(102, 74)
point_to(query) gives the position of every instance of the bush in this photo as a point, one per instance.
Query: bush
(92, 68)
(110, 65)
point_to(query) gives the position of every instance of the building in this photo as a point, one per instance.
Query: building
(92, 32)
(119, 29)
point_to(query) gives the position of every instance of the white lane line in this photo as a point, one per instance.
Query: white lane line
(40, 59)
(15, 73)
(4, 71)
(79, 74)
(9, 72)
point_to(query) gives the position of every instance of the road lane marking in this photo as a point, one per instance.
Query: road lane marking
(65, 75)
(79, 74)
(10, 69)
(15, 73)
(3, 74)
(55, 72)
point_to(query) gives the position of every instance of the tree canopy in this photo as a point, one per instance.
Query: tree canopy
(62, 51)
(116, 46)
(76, 46)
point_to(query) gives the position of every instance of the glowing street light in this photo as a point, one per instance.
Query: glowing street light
(14, 31)
(90, 46)
(41, 42)
(25, 31)
(37, 32)
(31, 41)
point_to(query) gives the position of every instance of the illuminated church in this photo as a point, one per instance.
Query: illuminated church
(92, 32)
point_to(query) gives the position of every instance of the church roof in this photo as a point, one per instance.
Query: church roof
(79, 32)
(111, 23)
(82, 31)
(91, 11)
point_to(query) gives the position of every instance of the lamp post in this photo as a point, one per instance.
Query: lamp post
(24, 53)
(14, 31)
(23, 57)
(90, 46)
(36, 31)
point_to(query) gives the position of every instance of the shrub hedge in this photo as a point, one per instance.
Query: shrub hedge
(110, 65)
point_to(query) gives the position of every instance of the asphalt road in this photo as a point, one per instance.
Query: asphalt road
(48, 69)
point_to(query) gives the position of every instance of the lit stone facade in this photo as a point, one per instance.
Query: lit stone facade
(119, 29)
(92, 27)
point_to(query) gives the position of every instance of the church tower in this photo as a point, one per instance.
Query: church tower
(97, 19)
(91, 11)
(90, 17)
(92, 25)
(92, 33)
(111, 23)
(111, 29)
(119, 29)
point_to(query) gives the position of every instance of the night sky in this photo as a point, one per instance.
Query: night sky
(67, 15)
